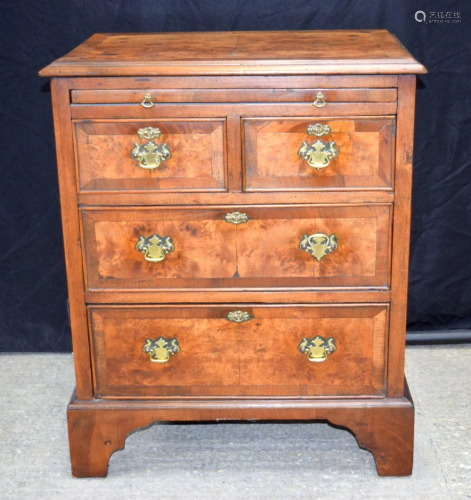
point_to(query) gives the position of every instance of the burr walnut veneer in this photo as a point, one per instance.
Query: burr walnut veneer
(236, 212)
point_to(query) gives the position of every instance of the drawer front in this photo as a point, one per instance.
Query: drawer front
(318, 153)
(257, 247)
(156, 96)
(273, 351)
(161, 155)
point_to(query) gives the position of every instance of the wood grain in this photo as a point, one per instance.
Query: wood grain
(383, 427)
(232, 95)
(235, 197)
(233, 108)
(268, 245)
(71, 234)
(234, 82)
(216, 110)
(270, 356)
(122, 368)
(401, 234)
(237, 53)
(307, 295)
(263, 253)
(256, 358)
(197, 162)
(205, 247)
(233, 157)
(272, 162)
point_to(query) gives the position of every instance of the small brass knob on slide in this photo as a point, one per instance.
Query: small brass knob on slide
(147, 102)
(320, 101)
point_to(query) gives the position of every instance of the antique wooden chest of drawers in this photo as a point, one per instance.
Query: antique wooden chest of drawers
(236, 213)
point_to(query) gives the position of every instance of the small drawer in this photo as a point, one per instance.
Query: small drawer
(149, 97)
(289, 154)
(236, 247)
(161, 155)
(239, 350)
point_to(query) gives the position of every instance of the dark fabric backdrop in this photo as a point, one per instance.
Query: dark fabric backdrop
(33, 312)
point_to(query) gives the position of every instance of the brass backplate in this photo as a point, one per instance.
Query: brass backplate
(160, 349)
(319, 245)
(319, 154)
(155, 247)
(318, 348)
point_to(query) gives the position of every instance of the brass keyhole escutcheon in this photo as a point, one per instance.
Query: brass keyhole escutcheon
(318, 348)
(238, 316)
(320, 101)
(236, 218)
(318, 130)
(161, 349)
(147, 102)
(155, 247)
(150, 155)
(319, 245)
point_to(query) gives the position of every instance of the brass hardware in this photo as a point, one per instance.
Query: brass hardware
(318, 130)
(155, 248)
(160, 350)
(236, 218)
(238, 316)
(320, 100)
(318, 348)
(150, 133)
(150, 155)
(318, 155)
(319, 245)
(147, 102)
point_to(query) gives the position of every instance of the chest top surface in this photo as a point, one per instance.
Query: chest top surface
(237, 53)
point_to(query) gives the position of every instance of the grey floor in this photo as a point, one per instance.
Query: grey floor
(234, 461)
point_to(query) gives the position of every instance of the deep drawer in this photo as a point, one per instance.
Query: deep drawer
(283, 154)
(162, 155)
(274, 351)
(244, 247)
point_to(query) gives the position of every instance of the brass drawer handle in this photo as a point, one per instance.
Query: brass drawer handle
(155, 248)
(319, 154)
(236, 218)
(150, 155)
(147, 102)
(160, 349)
(320, 101)
(318, 348)
(238, 316)
(319, 245)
